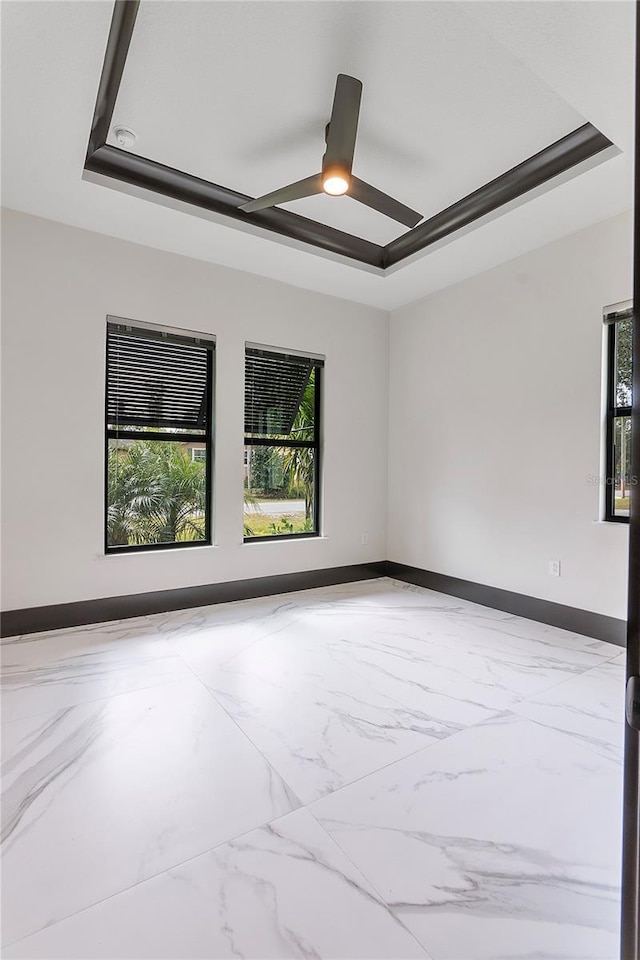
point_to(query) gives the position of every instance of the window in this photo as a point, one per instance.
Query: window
(282, 445)
(619, 400)
(158, 439)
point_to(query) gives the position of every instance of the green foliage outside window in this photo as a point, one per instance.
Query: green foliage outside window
(156, 494)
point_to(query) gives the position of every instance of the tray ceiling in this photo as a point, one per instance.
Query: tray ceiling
(239, 93)
(444, 110)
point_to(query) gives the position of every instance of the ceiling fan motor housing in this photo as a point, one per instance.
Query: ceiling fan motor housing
(335, 178)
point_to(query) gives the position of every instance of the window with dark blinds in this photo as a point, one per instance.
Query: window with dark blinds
(274, 386)
(282, 408)
(158, 435)
(619, 403)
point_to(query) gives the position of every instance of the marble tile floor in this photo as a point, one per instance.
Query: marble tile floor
(368, 770)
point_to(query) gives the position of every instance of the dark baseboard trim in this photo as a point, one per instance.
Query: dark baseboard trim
(80, 613)
(83, 612)
(585, 622)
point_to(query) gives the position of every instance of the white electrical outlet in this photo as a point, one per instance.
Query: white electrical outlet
(364, 539)
(554, 568)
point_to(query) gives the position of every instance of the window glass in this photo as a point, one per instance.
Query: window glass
(158, 431)
(620, 488)
(280, 491)
(620, 398)
(282, 453)
(623, 367)
(155, 494)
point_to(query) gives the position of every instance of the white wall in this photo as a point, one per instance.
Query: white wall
(495, 407)
(59, 284)
(496, 424)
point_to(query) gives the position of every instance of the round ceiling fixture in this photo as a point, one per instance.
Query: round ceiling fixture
(125, 136)
(335, 186)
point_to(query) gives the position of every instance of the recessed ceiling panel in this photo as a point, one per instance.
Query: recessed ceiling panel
(52, 57)
(239, 94)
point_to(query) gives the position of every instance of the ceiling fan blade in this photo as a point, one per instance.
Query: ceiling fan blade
(343, 126)
(381, 202)
(293, 191)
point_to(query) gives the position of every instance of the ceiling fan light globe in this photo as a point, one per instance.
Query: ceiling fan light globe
(335, 185)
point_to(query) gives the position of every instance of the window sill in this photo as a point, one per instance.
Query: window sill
(171, 551)
(283, 538)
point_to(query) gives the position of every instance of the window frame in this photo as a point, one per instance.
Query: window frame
(180, 437)
(315, 445)
(613, 413)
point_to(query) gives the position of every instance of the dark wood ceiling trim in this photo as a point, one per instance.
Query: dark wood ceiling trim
(123, 21)
(150, 175)
(579, 145)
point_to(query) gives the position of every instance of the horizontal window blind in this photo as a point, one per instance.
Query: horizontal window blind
(273, 389)
(156, 380)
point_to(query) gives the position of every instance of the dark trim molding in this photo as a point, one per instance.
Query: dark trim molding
(129, 168)
(569, 151)
(630, 874)
(123, 21)
(102, 159)
(585, 622)
(80, 613)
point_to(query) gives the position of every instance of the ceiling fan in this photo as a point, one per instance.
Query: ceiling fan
(336, 178)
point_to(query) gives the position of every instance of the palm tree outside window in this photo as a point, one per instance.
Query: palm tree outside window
(282, 444)
(158, 438)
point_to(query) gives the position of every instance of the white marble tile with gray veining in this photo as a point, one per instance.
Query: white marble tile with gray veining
(224, 630)
(60, 668)
(347, 686)
(589, 707)
(492, 831)
(68, 641)
(398, 600)
(327, 710)
(503, 841)
(282, 891)
(100, 796)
